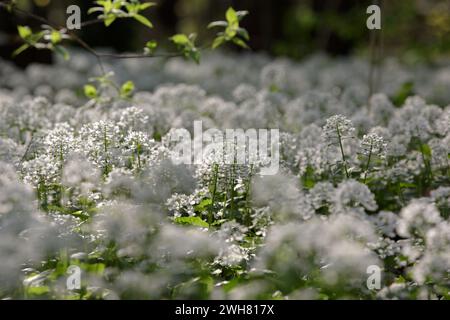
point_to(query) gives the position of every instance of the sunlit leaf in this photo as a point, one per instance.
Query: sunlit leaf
(21, 49)
(24, 31)
(90, 91)
(55, 37)
(127, 88)
(143, 20)
(217, 24)
(195, 221)
(180, 39)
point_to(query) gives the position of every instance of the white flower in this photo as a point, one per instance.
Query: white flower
(417, 218)
(353, 197)
(373, 145)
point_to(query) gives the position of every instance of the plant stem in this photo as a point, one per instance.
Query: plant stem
(213, 192)
(342, 151)
(368, 162)
(247, 196)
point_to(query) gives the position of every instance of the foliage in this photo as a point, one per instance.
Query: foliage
(360, 184)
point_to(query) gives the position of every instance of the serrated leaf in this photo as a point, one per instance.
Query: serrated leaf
(143, 20)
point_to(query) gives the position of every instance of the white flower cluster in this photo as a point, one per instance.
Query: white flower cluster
(361, 182)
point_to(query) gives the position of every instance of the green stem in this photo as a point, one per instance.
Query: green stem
(428, 172)
(247, 197)
(213, 193)
(368, 162)
(105, 149)
(342, 152)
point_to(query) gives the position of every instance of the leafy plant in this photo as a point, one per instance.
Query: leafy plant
(232, 30)
(51, 36)
(111, 10)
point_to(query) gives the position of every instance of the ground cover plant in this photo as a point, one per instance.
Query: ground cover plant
(88, 182)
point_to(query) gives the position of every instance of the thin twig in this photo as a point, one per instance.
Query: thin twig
(138, 56)
(91, 22)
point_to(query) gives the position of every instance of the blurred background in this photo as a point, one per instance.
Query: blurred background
(412, 29)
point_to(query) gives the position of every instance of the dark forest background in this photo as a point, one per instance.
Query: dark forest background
(412, 29)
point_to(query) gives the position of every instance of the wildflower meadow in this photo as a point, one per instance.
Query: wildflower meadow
(124, 179)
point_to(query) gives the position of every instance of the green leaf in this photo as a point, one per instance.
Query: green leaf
(143, 20)
(231, 16)
(194, 55)
(37, 291)
(241, 14)
(180, 39)
(217, 24)
(117, 4)
(218, 42)
(152, 45)
(127, 88)
(95, 9)
(187, 46)
(24, 31)
(55, 37)
(146, 5)
(203, 205)
(21, 49)
(63, 52)
(107, 5)
(230, 33)
(219, 222)
(90, 91)
(97, 268)
(426, 150)
(240, 43)
(405, 91)
(132, 8)
(243, 33)
(194, 221)
(109, 20)
(34, 38)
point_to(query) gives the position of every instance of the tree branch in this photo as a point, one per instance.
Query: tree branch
(73, 36)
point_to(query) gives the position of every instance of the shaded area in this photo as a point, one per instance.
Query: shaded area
(416, 29)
